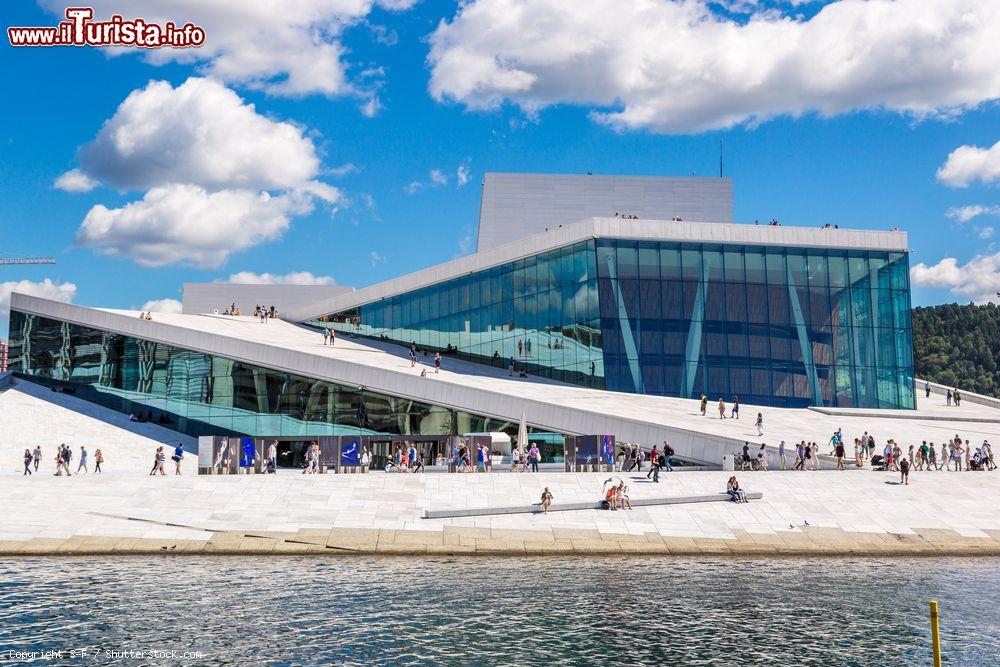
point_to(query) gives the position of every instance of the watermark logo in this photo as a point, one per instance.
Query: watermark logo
(79, 29)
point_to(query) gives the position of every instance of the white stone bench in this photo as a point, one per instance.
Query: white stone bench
(569, 507)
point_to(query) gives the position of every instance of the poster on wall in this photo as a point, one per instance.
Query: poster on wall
(247, 452)
(587, 449)
(222, 456)
(608, 449)
(350, 452)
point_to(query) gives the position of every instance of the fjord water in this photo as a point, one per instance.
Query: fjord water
(458, 610)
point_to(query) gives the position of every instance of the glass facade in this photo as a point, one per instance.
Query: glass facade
(541, 312)
(209, 395)
(787, 327)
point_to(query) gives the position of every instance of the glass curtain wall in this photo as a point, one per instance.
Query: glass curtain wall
(774, 326)
(787, 327)
(541, 313)
(201, 394)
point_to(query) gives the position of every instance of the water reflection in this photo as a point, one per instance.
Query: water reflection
(300, 610)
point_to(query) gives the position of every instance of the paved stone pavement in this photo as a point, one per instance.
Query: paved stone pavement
(31, 414)
(857, 511)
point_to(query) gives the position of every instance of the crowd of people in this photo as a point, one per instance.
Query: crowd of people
(956, 454)
(409, 459)
(262, 313)
(63, 460)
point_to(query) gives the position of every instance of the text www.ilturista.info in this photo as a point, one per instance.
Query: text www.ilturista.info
(80, 30)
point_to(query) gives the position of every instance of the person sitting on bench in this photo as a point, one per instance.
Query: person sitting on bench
(737, 494)
(622, 496)
(546, 500)
(611, 498)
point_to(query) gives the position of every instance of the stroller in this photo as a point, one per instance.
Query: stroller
(878, 463)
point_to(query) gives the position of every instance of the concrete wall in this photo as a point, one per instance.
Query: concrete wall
(208, 297)
(515, 206)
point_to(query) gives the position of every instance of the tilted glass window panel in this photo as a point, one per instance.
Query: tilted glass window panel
(691, 264)
(649, 262)
(755, 273)
(774, 261)
(607, 260)
(797, 267)
(628, 261)
(670, 263)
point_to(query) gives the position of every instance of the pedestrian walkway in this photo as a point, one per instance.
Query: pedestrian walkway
(838, 513)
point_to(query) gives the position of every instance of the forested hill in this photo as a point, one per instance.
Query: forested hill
(958, 346)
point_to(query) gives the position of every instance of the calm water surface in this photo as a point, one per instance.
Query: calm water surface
(479, 611)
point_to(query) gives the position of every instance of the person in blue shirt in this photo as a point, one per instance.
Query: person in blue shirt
(178, 457)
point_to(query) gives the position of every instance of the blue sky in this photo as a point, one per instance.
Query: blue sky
(802, 149)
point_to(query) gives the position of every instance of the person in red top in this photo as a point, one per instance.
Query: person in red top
(612, 497)
(654, 458)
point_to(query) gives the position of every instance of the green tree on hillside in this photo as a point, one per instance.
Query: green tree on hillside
(958, 346)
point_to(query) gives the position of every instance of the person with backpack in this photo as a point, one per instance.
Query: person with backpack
(272, 458)
(668, 451)
(67, 459)
(37, 456)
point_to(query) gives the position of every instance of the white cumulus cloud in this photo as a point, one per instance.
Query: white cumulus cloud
(683, 67)
(977, 280)
(967, 164)
(966, 213)
(462, 174)
(201, 133)
(46, 289)
(288, 48)
(219, 177)
(162, 306)
(437, 177)
(294, 278)
(75, 180)
(186, 223)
